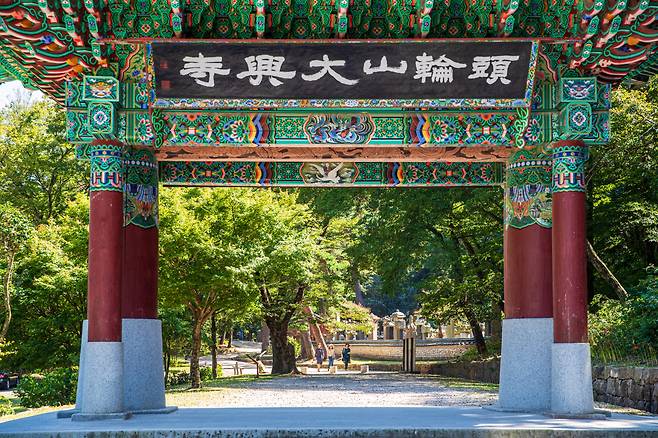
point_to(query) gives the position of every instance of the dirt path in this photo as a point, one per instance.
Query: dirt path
(371, 390)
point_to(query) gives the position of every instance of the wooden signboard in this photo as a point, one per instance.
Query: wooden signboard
(353, 73)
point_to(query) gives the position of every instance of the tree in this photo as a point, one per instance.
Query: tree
(39, 173)
(623, 198)
(284, 237)
(15, 230)
(51, 292)
(415, 242)
(204, 265)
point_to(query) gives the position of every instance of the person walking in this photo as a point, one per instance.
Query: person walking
(346, 355)
(330, 356)
(319, 356)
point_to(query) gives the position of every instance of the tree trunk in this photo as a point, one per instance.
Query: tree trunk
(307, 345)
(497, 324)
(195, 373)
(6, 285)
(477, 331)
(283, 353)
(230, 337)
(222, 337)
(213, 344)
(356, 282)
(167, 363)
(264, 336)
(605, 273)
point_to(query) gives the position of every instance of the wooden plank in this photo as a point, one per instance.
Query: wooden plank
(335, 154)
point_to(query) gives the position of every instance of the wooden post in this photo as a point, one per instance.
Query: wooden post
(571, 361)
(409, 350)
(525, 371)
(102, 391)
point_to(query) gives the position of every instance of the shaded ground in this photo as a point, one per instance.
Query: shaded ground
(343, 390)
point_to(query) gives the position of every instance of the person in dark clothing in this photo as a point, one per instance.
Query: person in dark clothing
(346, 355)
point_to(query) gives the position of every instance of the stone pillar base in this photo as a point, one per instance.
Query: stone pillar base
(142, 364)
(572, 380)
(131, 370)
(525, 365)
(102, 382)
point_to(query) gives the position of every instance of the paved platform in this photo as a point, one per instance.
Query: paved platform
(418, 422)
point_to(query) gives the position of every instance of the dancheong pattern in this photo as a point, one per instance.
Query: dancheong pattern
(330, 174)
(528, 189)
(106, 162)
(569, 167)
(339, 129)
(140, 189)
(210, 128)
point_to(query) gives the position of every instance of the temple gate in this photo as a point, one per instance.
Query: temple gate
(365, 93)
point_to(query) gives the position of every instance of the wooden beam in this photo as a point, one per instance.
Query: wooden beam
(335, 154)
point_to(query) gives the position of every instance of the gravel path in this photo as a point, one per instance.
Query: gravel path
(371, 390)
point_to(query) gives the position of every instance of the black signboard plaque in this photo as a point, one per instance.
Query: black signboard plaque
(410, 73)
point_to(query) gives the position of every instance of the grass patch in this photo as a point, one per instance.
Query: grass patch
(222, 382)
(21, 411)
(466, 384)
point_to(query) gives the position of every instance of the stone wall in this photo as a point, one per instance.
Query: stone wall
(633, 387)
(482, 371)
(427, 349)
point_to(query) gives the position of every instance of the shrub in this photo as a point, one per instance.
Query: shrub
(54, 388)
(6, 406)
(627, 331)
(206, 372)
(184, 377)
(177, 378)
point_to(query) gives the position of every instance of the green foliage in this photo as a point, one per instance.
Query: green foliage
(55, 388)
(183, 377)
(15, 229)
(6, 406)
(53, 264)
(38, 170)
(627, 331)
(296, 344)
(349, 317)
(623, 188)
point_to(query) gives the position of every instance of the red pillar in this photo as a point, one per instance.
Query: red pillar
(140, 254)
(140, 273)
(528, 286)
(569, 238)
(527, 237)
(525, 367)
(105, 241)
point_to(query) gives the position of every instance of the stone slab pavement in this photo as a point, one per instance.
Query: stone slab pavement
(352, 422)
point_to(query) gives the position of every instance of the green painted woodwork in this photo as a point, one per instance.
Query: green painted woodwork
(140, 189)
(528, 188)
(44, 43)
(106, 159)
(360, 174)
(569, 167)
